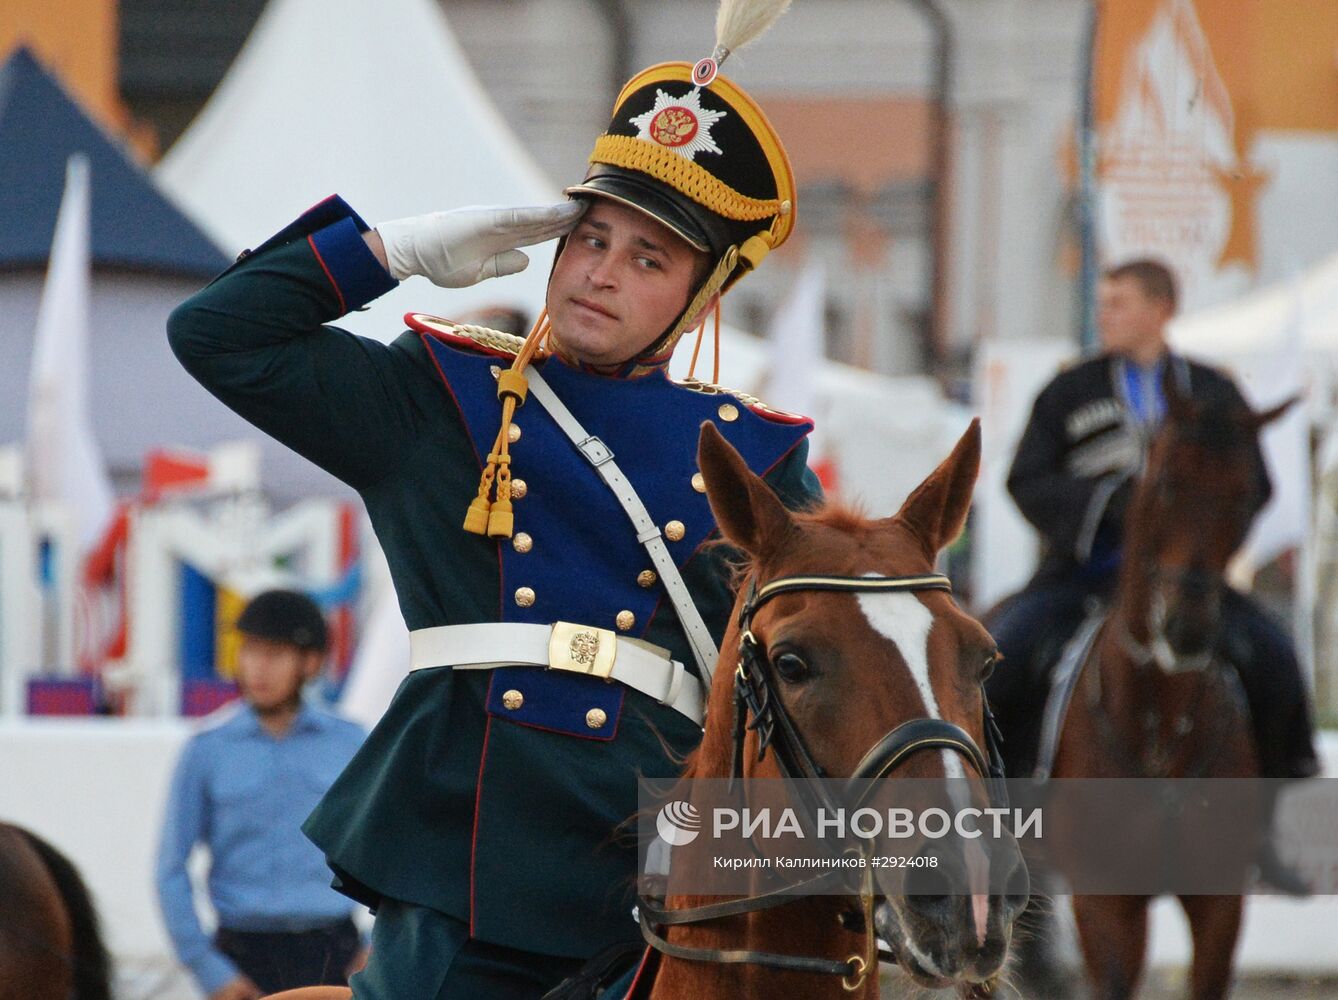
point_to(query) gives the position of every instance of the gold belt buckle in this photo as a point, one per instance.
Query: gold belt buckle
(582, 649)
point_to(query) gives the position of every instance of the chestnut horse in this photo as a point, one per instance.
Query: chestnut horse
(850, 658)
(1154, 698)
(50, 945)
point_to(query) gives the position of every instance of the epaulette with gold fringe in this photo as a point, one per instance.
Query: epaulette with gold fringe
(464, 335)
(751, 402)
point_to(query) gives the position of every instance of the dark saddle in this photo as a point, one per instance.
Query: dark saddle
(1063, 675)
(1023, 685)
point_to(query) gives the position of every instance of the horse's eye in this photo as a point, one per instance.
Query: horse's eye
(991, 661)
(791, 667)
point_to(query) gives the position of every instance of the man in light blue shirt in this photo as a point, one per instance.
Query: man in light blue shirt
(243, 786)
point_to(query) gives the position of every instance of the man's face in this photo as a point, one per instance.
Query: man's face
(271, 674)
(622, 279)
(1131, 322)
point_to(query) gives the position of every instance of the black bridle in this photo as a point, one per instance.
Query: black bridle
(755, 696)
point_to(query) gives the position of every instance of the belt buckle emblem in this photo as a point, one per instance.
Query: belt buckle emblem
(582, 649)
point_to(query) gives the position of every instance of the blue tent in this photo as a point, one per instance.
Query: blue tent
(133, 225)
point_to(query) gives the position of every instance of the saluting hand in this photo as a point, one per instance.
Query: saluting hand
(465, 246)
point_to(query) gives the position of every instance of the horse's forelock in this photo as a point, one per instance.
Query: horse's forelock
(840, 516)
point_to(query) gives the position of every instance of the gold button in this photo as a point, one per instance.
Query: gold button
(786, 207)
(625, 620)
(496, 370)
(674, 531)
(524, 597)
(513, 433)
(522, 543)
(595, 718)
(513, 699)
(646, 578)
(699, 482)
(728, 412)
(518, 489)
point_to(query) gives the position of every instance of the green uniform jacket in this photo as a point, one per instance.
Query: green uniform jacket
(450, 803)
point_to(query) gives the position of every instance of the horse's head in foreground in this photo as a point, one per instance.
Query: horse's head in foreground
(849, 666)
(1191, 511)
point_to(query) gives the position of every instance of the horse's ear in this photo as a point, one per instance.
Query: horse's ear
(749, 514)
(937, 510)
(1268, 416)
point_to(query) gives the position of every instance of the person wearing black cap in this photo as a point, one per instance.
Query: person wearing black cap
(542, 514)
(242, 787)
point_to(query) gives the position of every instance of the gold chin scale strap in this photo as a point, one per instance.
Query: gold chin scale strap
(492, 516)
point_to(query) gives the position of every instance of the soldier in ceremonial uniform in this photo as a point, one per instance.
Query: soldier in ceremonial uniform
(479, 817)
(1072, 477)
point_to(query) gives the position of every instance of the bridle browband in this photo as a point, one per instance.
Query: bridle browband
(755, 696)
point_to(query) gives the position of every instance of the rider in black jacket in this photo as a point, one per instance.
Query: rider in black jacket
(1072, 477)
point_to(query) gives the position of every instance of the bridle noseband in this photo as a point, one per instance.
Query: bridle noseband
(756, 696)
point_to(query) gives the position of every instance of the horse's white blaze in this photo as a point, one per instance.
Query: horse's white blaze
(901, 619)
(978, 883)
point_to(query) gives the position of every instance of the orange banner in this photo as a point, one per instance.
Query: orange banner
(1194, 100)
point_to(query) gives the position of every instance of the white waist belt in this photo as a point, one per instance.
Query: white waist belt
(581, 649)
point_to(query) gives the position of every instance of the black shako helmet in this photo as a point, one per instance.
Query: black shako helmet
(692, 150)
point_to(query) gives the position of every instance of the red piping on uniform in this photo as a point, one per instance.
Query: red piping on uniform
(478, 455)
(478, 802)
(343, 307)
(778, 416)
(423, 335)
(455, 340)
(640, 971)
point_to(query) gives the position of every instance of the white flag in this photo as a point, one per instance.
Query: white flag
(1267, 379)
(65, 464)
(797, 332)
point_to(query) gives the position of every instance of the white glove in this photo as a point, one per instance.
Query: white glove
(463, 247)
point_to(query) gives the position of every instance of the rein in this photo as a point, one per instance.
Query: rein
(755, 695)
